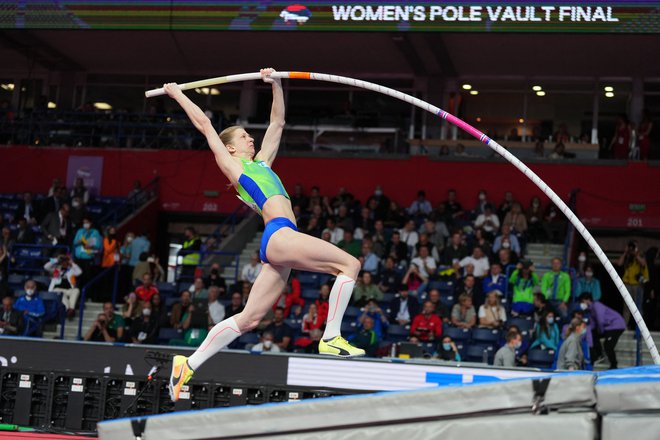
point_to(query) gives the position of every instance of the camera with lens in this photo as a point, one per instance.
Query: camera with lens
(632, 246)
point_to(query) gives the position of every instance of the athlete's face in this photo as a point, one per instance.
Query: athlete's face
(243, 144)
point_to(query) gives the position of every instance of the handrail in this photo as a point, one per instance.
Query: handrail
(90, 283)
(42, 259)
(129, 205)
(232, 219)
(202, 254)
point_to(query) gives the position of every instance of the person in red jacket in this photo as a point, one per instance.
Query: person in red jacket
(427, 326)
(322, 304)
(290, 297)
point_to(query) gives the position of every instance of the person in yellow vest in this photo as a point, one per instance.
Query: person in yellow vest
(191, 247)
(635, 275)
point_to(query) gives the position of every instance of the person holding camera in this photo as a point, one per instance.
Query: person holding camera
(635, 275)
(372, 310)
(64, 273)
(108, 327)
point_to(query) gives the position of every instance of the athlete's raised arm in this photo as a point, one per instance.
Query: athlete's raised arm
(271, 142)
(224, 160)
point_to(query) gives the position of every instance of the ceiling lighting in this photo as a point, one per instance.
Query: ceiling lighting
(521, 120)
(474, 92)
(537, 88)
(467, 86)
(9, 86)
(51, 104)
(609, 94)
(540, 93)
(608, 88)
(102, 106)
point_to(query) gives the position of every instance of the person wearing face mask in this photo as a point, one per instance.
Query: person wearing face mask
(506, 356)
(448, 350)
(507, 240)
(571, 356)
(78, 213)
(32, 308)
(266, 344)
(588, 283)
(607, 324)
(535, 231)
(87, 244)
(215, 279)
(64, 274)
(111, 254)
(144, 329)
(547, 332)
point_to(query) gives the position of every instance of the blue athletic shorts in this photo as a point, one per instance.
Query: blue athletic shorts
(271, 227)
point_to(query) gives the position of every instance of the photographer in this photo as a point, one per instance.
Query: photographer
(373, 311)
(64, 273)
(108, 327)
(635, 275)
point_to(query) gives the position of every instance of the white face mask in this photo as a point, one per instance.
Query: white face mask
(589, 274)
(146, 312)
(268, 343)
(584, 306)
(129, 239)
(75, 204)
(506, 245)
(582, 258)
(87, 225)
(378, 193)
(29, 292)
(482, 197)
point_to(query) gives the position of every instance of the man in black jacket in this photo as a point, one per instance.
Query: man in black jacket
(11, 320)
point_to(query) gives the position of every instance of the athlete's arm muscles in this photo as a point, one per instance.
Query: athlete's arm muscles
(271, 142)
(227, 165)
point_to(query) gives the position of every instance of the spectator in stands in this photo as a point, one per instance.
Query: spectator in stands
(4, 259)
(215, 278)
(56, 226)
(138, 193)
(350, 244)
(77, 213)
(365, 224)
(299, 198)
(144, 329)
(535, 231)
(468, 285)
(190, 248)
(394, 217)
(64, 273)
(311, 320)
(322, 304)
(131, 309)
(448, 350)
(336, 233)
(409, 235)
(251, 270)
(506, 356)
(506, 259)
(463, 314)
(495, 280)
(404, 308)
(365, 289)
(54, 187)
(437, 234)
(180, 309)
(372, 310)
(488, 221)
(79, 190)
(236, 306)
(541, 306)
(344, 219)
(423, 266)
(426, 326)
(215, 307)
(155, 269)
(556, 286)
(11, 320)
(27, 210)
(141, 268)
(136, 247)
(523, 280)
(198, 289)
(554, 224)
(55, 201)
(282, 333)
(420, 208)
(492, 314)
(397, 249)
(265, 344)
(126, 269)
(620, 144)
(507, 240)
(87, 244)
(559, 152)
(456, 250)
(389, 277)
(478, 259)
(482, 202)
(371, 260)
(108, 327)
(366, 338)
(440, 308)
(506, 205)
(145, 291)
(546, 332)
(291, 299)
(24, 233)
(609, 325)
(379, 239)
(570, 355)
(159, 311)
(313, 227)
(110, 248)
(6, 240)
(424, 241)
(516, 221)
(33, 309)
(589, 284)
(644, 135)
(635, 275)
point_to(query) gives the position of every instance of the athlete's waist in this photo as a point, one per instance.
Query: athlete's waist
(277, 206)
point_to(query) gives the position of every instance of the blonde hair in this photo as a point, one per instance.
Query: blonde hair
(227, 134)
(573, 325)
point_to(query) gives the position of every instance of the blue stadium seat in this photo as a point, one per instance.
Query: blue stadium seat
(485, 336)
(248, 338)
(167, 333)
(457, 334)
(448, 300)
(15, 281)
(170, 301)
(42, 279)
(309, 280)
(310, 294)
(525, 324)
(475, 353)
(348, 328)
(166, 289)
(397, 333)
(352, 312)
(540, 358)
(387, 298)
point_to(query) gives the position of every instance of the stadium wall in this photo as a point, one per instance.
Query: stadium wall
(612, 194)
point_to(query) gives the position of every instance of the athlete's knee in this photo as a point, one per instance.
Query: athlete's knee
(247, 321)
(352, 267)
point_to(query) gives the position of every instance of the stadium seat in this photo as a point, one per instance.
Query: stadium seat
(52, 304)
(540, 358)
(457, 334)
(165, 334)
(352, 312)
(397, 333)
(309, 280)
(448, 300)
(485, 336)
(525, 324)
(476, 352)
(310, 294)
(348, 328)
(387, 298)
(248, 338)
(166, 289)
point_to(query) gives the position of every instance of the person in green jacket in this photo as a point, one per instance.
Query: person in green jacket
(523, 280)
(556, 286)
